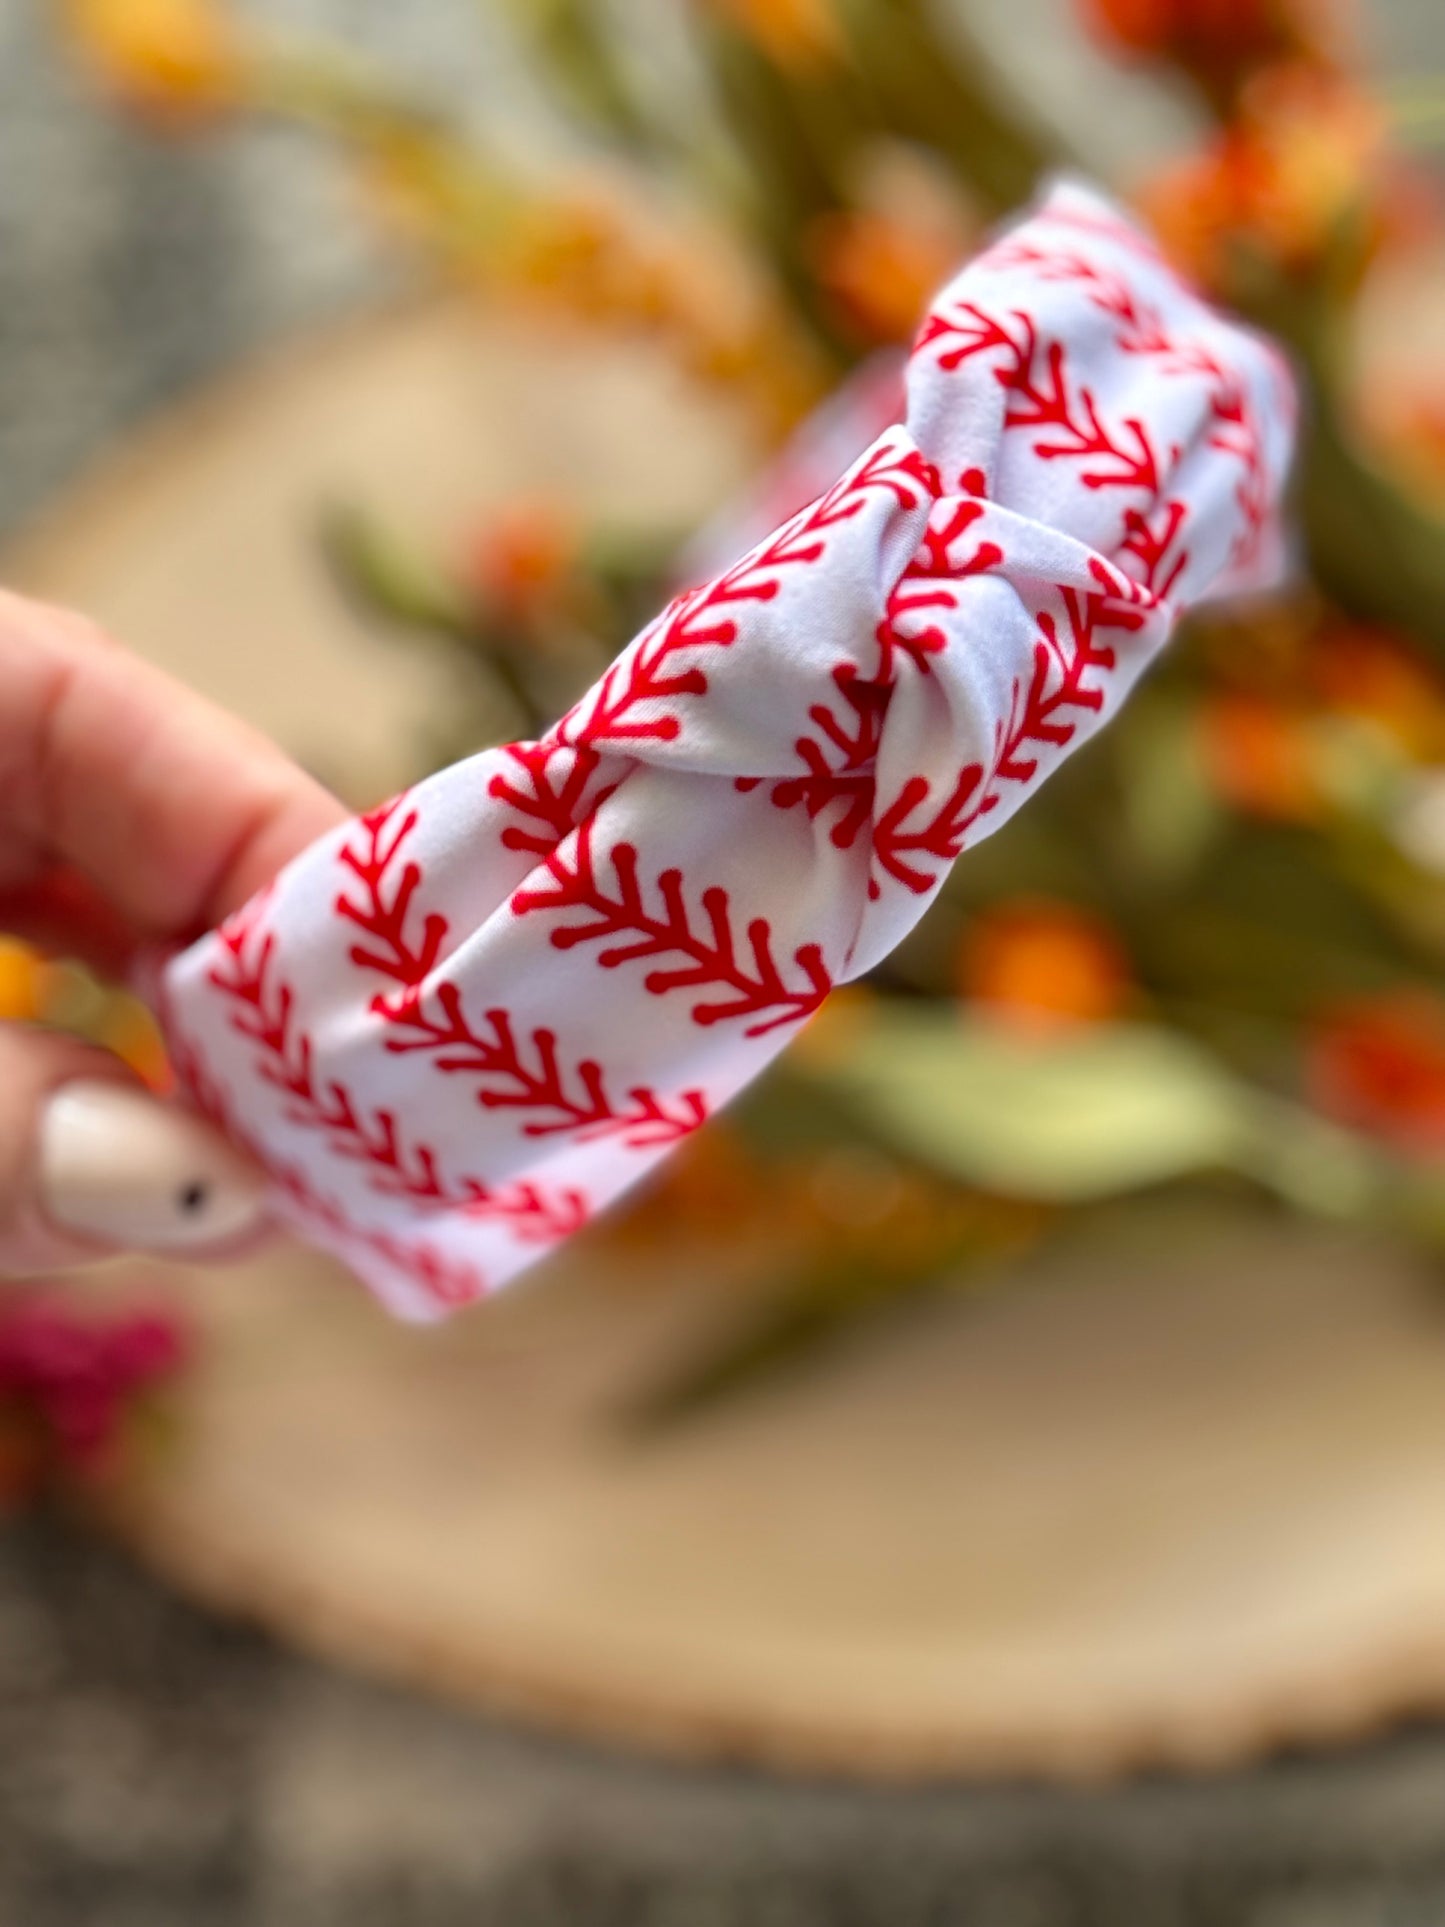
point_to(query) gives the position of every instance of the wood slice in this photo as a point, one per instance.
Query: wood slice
(1168, 1503)
(1123, 1513)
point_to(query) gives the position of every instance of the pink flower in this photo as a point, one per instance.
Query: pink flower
(68, 1380)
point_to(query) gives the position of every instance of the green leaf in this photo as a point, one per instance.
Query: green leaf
(1066, 1119)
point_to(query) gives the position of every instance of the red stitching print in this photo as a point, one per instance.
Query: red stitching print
(553, 804)
(577, 1101)
(1152, 540)
(1060, 683)
(1141, 329)
(749, 985)
(927, 583)
(941, 836)
(383, 918)
(708, 617)
(1142, 332)
(265, 1012)
(1043, 401)
(445, 1282)
(838, 760)
(851, 734)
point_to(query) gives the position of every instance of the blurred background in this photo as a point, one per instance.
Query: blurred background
(906, 1457)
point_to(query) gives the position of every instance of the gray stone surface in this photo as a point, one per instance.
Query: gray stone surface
(130, 269)
(160, 1769)
(157, 1767)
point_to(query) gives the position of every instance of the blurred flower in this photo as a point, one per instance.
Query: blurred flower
(1258, 757)
(599, 253)
(1298, 178)
(1375, 677)
(175, 61)
(68, 1382)
(23, 983)
(796, 34)
(429, 189)
(1378, 1064)
(1410, 428)
(1041, 964)
(878, 272)
(128, 1029)
(519, 559)
(881, 259)
(1216, 39)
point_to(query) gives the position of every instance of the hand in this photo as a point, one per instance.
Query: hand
(132, 814)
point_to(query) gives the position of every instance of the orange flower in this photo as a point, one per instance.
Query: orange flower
(175, 61)
(1257, 755)
(1377, 678)
(520, 557)
(1378, 1064)
(879, 270)
(879, 260)
(1043, 964)
(796, 34)
(1298, 177)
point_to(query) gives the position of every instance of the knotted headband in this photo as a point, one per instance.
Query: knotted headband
(461, 1024)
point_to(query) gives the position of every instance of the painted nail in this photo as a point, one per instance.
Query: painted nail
(121, 1168)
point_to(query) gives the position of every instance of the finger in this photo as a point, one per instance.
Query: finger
(62, 913)
(91, 1164)
(174, 810)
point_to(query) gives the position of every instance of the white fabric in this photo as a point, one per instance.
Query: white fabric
(460, 1025)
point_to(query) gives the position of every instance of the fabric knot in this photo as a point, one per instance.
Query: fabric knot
(464, 1022)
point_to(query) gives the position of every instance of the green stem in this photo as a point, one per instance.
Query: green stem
(942, 90)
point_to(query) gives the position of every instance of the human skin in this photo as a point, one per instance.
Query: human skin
(133, 815)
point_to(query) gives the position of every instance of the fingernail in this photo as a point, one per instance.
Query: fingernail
(122, 1168)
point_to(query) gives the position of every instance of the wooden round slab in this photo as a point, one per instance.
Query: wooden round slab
(1169, 1502)
(1122, 1513)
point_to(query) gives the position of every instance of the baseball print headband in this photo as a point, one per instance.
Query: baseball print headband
(457, 1027)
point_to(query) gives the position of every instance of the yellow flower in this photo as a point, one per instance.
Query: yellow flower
(612, 261)
(172, 60)
(129, 1030)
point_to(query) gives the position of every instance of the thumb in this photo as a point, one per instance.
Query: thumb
(91, 1163)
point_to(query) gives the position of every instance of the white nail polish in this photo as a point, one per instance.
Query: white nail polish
(120, 1167)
